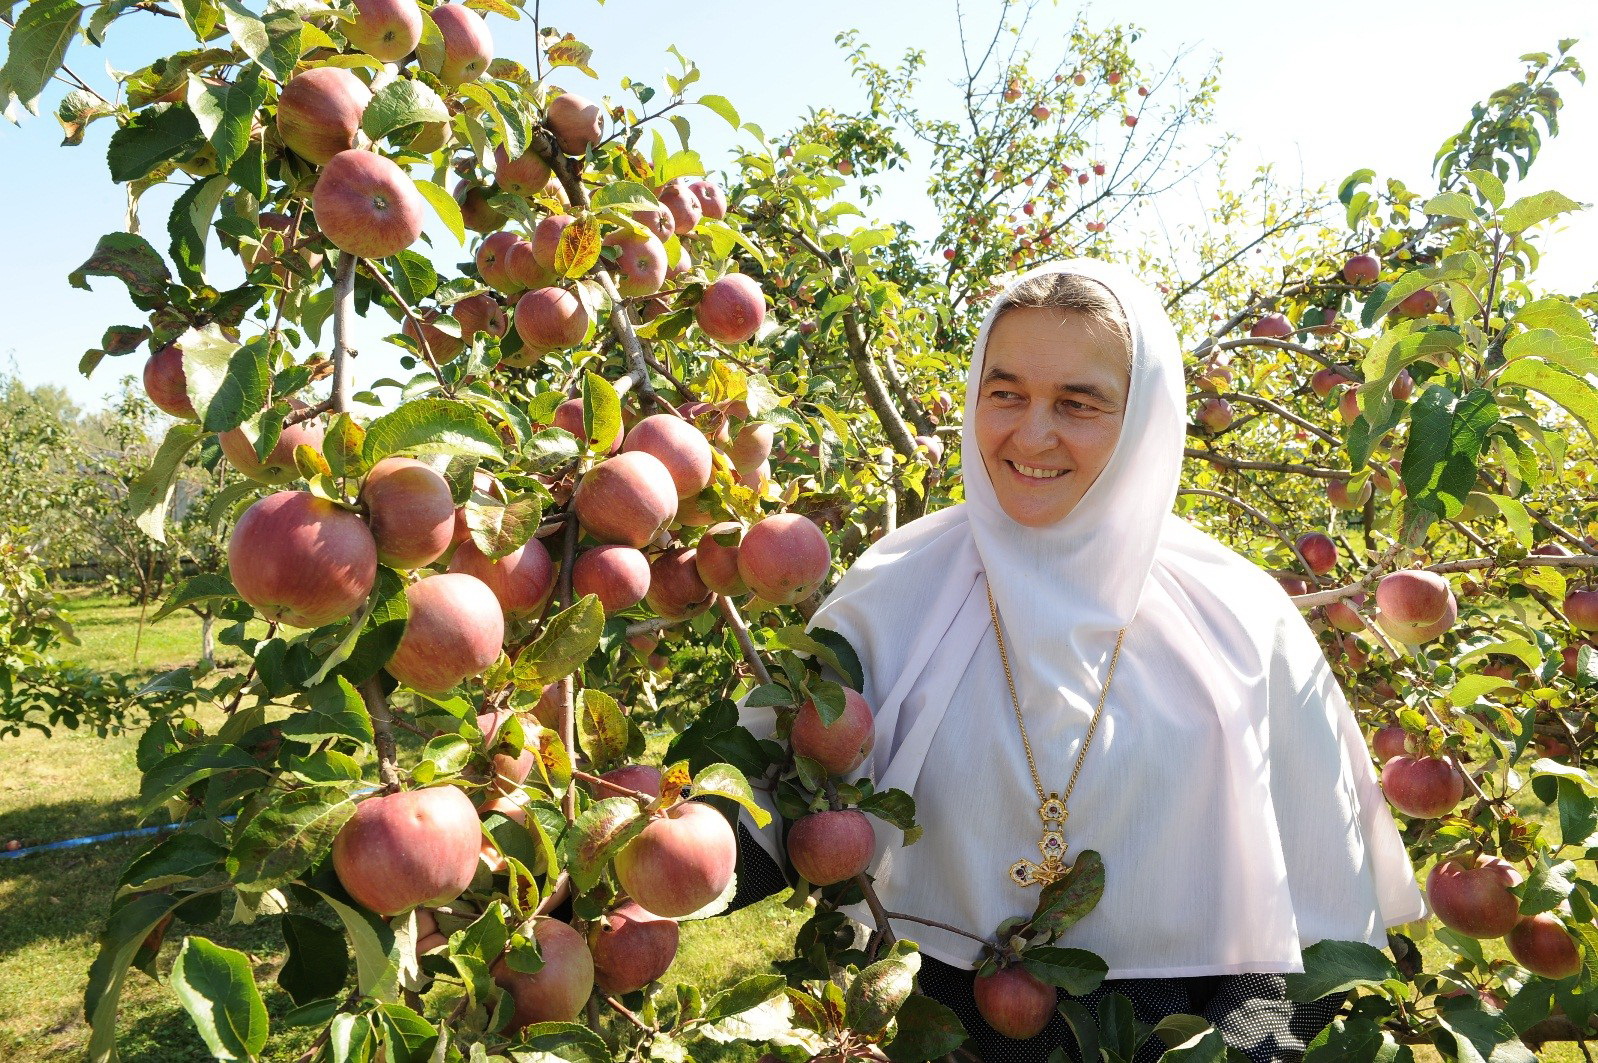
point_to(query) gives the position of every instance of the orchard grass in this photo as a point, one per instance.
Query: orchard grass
(75, 784)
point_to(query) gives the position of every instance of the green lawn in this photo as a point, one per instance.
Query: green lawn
(71, 785)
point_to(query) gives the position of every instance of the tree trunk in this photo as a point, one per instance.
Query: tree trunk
(207, 639)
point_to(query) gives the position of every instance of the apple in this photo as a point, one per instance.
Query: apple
(468, 47)
(1215, 413)
(831, 847)
(629, 499)
(526, 175)
(642, 778)
(784, 558)
(641, 264)
(1348, 404)
(1113, 77)
(732, 309)
(578, 124)
(521, 580)
(1403, 386)
(1012, 91)
(1418, 304)
(1549, 548)
(751, 447)
(1328, 322)
(440, 344)
(1541, 944)
(477, 213)
(410, 511)
(301, 560)
(453, 632)
(1041, 112)
(569, 416)
(678, 197)
(657, 219)
(279, 467)
(366, 205)
(560, 988)
(1325, 381)
(1474, 900)
(1014, 1001)
(386, 30)
(631, 948)
(618, 575)
(1416, 606)
(549, 319)
(841, 747)
(1581, 609)
(683, 860)
(1293, 585)
(1318, 552)
(546, 238)
(679, 446)
(1570, 658)
(718, 564)
(1273, 327)
(1389, 742)
(932, 447)
(1337, 494)
(493, 260)
(319, 112)
(509, 770)
(675, 590)
(1422, 787)
(166, 384)
(1362, 270)
(1130, 120)
(408, 848)
(712, 200)
(1344, 614)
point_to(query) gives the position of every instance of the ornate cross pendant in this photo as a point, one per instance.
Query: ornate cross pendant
(1052, 845)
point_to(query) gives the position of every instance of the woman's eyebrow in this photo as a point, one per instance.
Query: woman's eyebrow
(1092, 391)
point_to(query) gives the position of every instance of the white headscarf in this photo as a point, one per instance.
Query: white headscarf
(1228, 788)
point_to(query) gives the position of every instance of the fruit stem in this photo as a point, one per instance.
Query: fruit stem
(382, 734)
(740, 631)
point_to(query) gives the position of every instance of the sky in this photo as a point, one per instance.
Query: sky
(1315, 90)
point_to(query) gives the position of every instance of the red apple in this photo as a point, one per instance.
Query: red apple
(1041, 112)
(1325, 381)
(366, 205)
(844, 745)
(408, 848)
(712, 200)
(301, 560)
(641, 778)
(1389, 742)
(1416, 606)
(1475, 900)
(386, 30)
(1362, 270)
(1542, 945)
(831, 847)
(1344, 614)
(440, 344)
(618, 575)
(732, 309)
(1422, 787)
(657, 219)
(718, 564)
(1272, 326)
(509, 770)
(1318, 551)
(678, 197)
(454, 632)
(1215, 413)
(559, 989)
(578, 124)
(1348, 404)
(279, 467)
(525, 176)
(1293, 585)
(683, 860)
(1014, 1001)
(751, 447)
(1403, 386)
(546, 238)
(319, 112)
(784, 558)
(676, 592)
(1581, 609)
(679, 446)
(1419, 304)
(1570, 658)
(640, 265)
(410, 511)
(631, 948)
(467, 48)
(166, 384)
(569, 415)
(549, 319)
(493, 261)
(477, 213)
(1337, 494)
(480, 313)
(629, 499)
(521, 580)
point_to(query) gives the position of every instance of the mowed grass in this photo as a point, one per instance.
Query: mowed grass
(73, 785)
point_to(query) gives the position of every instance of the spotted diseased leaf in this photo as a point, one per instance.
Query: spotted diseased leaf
(599, 834)
(880, 990)
(498, 528)
(578, 249)
(75, 111)
(1077, 971)
(603, 727)
(287, 836)
(926, 1030)
(601, 412)
(129, 258)
(1063, 903)
(567, 640)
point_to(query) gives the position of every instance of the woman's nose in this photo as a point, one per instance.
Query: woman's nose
(1037, 430)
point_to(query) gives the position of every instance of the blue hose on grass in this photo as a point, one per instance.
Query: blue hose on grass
(96, 839)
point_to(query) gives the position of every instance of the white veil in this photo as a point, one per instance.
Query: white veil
(1228, 789)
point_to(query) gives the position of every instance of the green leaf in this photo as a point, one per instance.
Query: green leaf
(1451, 205)
(36, 47)
(1546, 887)
(1577, 396)
(154, 136)
(401, 103)
(129, 923)
(926, 1031)
(1077, 971)
(550, 1041)
(287, 836)
(1483, 1038)
(216, 986)
(336, 712)
(318, 960)
(1336, 967)
(601, 412)
(1572, 352)
(272, 39)
(1539, 207)
(176, 858)
(432, 426)
(226, 112)
(602, 725)
(599, 834)
(749, 993)
(407, 1037)
(380, 630)
(177, 771)
(130, 259)
(829, 700)
(189, 225)
(1448, 435)
(202, 588)
(243, 389)
(878, 992)
(722, 107)
(1064, 902)
(444, 205)
(894, 807)
(724, 780)
(376, 965)
(834, 650)
(567, 640)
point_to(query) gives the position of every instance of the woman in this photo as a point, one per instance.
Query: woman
(1225, 784)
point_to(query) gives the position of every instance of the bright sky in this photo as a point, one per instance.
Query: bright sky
(1316, 90)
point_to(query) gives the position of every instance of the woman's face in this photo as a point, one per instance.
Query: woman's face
(1048, 414)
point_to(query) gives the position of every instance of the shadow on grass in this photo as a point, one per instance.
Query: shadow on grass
(40, 824)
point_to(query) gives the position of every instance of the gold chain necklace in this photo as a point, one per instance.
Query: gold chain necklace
(1051, 807)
